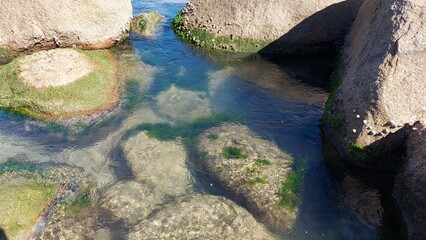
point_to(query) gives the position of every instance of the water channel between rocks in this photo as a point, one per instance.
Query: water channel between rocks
(280, 99)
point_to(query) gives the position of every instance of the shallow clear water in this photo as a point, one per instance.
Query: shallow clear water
(280, 99)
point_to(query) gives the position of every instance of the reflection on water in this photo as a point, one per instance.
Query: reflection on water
(166, 81)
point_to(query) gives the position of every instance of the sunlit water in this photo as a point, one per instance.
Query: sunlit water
(282, 100)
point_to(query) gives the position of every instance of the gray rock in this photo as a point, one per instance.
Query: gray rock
(410, 191)
(161, 163)
(254, 176)
(131, 201)
(89, 24)
(383, 62)
(200, 217)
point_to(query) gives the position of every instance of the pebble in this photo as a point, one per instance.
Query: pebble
(364, 121)
(354, 130)
(358, 116)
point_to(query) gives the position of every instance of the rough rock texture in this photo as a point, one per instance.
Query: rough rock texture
(60, 84)
(294, 23)
(184, 105)
(382, 75)
(146, 24)
(255, 177)
(410, 189)
(200, 217)
(86, 24)
(131, 201)
(161, 163)
(54, 68)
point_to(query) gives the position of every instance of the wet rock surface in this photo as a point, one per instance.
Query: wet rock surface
(146, 24)
(45, 85)
(131, 201)
(38, 24)
(410, 185)
(58, 183)
(200, 217)
(255, 174)
(160, 163)
(184, 105)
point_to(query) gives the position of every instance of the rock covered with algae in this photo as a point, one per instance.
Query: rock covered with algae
(146, 24)
(254, 169)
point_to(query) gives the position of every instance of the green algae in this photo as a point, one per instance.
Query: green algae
(21, 205)
(209, 41)
(146, 23)
(92, 93)
(233, 152)
(292, 187)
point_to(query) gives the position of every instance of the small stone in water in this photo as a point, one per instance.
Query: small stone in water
(354, 130)
(211, 184)
(358, 116)
(364, 121)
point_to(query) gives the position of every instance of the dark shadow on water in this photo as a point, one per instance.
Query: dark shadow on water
(364, 194)
(3, 235)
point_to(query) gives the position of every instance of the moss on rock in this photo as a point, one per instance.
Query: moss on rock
(21, 204)
(90, 94)
(208, 41)
(146, 23)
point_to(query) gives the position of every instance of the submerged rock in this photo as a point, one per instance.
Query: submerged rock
(410, 185)
(131, 201)
(200, 217)
(247, 26)
(59, 84)
(160, 163)
(184, 105)
(383, 63)
(31, 194)
(252, 168)
(146, 24)
(43, 24)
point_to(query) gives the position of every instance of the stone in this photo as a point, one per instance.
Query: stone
(200, 217)
(146, 24)
(54, 68)
(131, 201)
(254, 174)
(290, 23)
(44, 85)
(41, 24)
(383, 62)
(160, 163)
(184, 105)
(409, 190)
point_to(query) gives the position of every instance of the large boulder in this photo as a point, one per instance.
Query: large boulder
(200, 217)
(382, 78)
(248, 25)
(410, 189)
(86, 24)
(255, 170)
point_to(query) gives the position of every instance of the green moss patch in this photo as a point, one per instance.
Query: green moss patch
(233, 152)
(146, 23)
(22, 204)
(209, 41)
(187, 132)
(335, 80)
(82, 201)
(292, 187)
(262, 162)
(258, 180)
(91, 94)
(213, 137)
